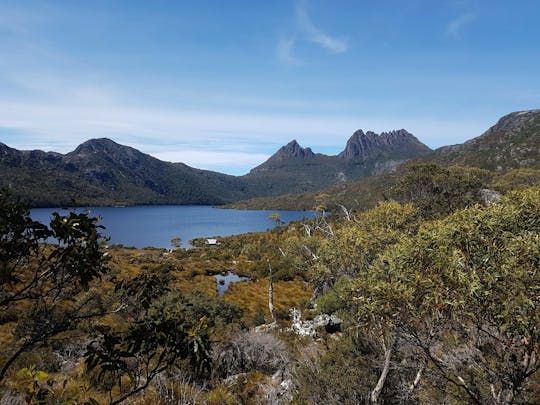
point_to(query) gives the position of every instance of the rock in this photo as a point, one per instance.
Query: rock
(280, 391)
(489, 197)
(330, 324)
(292, 150)
(302, 328)
(363, 146)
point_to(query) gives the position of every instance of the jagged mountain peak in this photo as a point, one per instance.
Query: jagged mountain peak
(292, 150)
(365, 145)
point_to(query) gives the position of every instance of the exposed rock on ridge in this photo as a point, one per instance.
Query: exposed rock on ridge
(512, 143)
(363, 146)
(292, 150)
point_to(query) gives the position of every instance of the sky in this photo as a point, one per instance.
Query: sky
(221, 85)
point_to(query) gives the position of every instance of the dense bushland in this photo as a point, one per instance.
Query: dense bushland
(437, 289)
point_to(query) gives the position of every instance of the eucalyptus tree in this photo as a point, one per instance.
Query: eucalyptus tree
(463, 295)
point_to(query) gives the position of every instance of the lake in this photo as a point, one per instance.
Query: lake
(155, 225)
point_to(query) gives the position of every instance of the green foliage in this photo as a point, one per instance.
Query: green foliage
(176, 243)
(517, 179)
(162, 338)
(19, 237)
(38, 385)
(356, 244)
(49, 286)
(345, 374)
(276, 218)
(439, 191)
(332, 301)
(141, 291)
(259, 318)
(197, 305)
(472, 280)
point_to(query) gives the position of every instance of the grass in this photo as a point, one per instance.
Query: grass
(252, 296)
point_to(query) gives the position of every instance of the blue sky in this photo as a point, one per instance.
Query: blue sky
(222, 84)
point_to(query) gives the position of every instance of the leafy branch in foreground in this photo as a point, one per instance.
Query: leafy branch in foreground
(46, 288)
(152, 345)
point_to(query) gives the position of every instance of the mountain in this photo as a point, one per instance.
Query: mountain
(512, 143)
(396, 145)
(290, 151)
(296, 169)
(103, 172)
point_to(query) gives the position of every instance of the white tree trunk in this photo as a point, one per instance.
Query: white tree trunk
(271, 293)
(374, 397)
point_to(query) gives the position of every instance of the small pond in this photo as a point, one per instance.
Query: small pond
(223, 281)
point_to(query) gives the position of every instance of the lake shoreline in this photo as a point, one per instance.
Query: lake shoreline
(156, 226)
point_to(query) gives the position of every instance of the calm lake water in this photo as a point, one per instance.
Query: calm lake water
(156, 225)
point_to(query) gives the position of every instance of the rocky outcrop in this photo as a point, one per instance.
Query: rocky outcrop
(515, 121)
(293, 150)
(322, 322)
(363, 146)
(490, 197)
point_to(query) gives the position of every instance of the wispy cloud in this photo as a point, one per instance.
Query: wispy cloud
(210, 160)
(315, 34)
(455, 27)
(285, 52)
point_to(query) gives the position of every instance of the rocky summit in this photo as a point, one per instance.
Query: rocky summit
(293, 150)
(369, 145)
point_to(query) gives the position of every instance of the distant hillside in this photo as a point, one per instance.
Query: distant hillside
(296, 169)
(512, 143)
(102, 172)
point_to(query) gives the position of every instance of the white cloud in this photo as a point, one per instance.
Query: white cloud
(455, 27)
(233, 162)
(316, 35)
(285, 52)
(60, 113)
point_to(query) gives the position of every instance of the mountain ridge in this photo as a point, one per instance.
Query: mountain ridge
(510, 148)
(103, 172)
(100, 171)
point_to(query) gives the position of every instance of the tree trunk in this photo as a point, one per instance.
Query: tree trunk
(271, 292)
(374, 397)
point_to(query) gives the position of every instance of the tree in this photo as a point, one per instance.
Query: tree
(176, 243)
(438, 191)
(165, 331)
(355, 245)
(154, 343)
(46, 288)
(276, 218)
(463, 295)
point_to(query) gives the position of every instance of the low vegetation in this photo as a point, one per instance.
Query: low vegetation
(436, 287)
